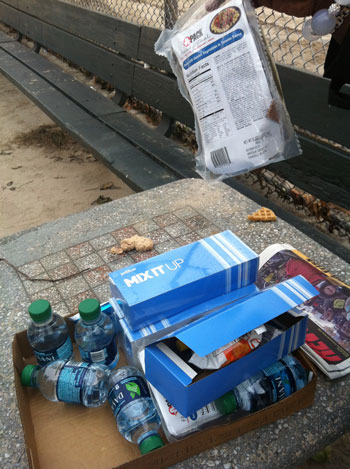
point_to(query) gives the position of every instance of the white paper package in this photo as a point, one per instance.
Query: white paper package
(220, 60)
(175, 425)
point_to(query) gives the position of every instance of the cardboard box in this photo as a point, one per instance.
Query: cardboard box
(59, 435)
(134, 341)
(166, 284)
(188, 390)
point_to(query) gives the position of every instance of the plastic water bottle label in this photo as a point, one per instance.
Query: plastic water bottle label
(70, 382)
(104, 356)
(300, 375)
(127, 390)
(64, 352)
(281, 379)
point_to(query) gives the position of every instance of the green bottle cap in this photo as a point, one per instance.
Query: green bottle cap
(150, 443)
(26, 375)
(40, 310)
(226, 404)
(89, 309)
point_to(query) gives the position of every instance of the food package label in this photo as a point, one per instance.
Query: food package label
(229, 91)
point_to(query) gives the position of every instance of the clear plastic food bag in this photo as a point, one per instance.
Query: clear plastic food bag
(217, 52)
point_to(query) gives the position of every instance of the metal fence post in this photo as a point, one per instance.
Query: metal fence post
(171, 12)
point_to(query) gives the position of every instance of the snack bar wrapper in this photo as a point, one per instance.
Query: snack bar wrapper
(231, 352)
(223, 68)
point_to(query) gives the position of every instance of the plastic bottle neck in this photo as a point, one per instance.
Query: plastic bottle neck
(34, 378)
(93, 321)
(149, 442)
(227, 404)
(43, 323)
(29, 376)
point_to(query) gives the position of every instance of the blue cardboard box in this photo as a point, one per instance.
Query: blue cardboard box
(169, 283)
(134, 341)
(185, 388)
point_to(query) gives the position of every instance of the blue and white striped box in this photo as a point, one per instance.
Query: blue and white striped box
(169, 283)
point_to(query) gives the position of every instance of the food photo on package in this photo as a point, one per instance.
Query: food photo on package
(218, 54)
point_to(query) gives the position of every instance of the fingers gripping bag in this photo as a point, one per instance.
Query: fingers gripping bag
(217, 52)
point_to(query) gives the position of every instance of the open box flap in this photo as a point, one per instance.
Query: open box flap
(167, 327)
(159, 356)
(212, 332)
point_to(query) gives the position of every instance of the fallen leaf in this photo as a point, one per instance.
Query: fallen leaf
(102, 199)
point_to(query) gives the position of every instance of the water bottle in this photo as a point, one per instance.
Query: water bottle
(48, 334)
(137, 418)
(69, 381)
(95, 335)
(270, 385)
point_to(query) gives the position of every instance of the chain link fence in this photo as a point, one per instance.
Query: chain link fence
(287, 46)
(282, 32)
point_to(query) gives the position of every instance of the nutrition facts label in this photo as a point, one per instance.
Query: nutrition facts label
(70, 382)
(205, 94)
(210, 108)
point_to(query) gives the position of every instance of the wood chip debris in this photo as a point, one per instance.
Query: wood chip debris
(139, 243)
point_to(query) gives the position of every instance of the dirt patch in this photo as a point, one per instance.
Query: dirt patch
(56, 143)
(48, 136)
